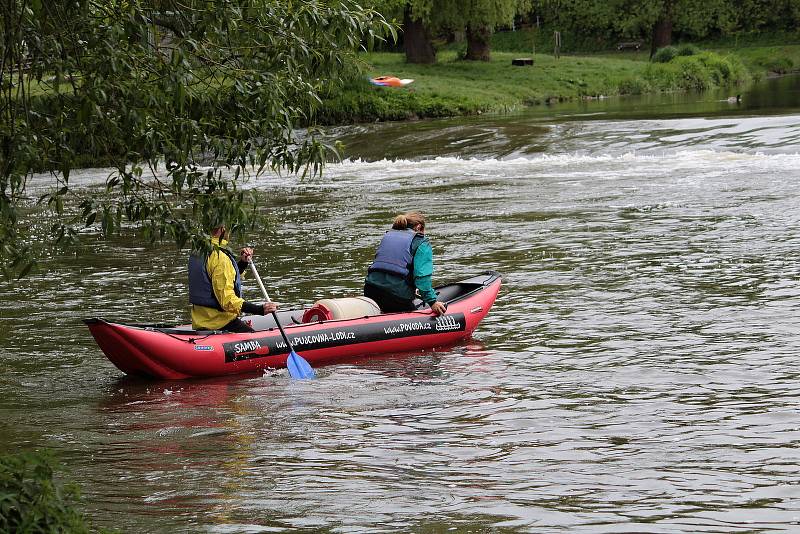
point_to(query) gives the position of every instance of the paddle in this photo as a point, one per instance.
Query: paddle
(298, 367)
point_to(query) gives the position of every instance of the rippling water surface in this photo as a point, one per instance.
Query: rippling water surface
(638, 372)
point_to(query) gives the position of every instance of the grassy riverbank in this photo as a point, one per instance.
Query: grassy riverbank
(456, 87)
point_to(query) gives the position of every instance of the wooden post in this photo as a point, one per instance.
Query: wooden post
(557, 44)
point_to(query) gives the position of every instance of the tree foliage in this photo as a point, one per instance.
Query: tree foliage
(430, 17)
(458, 14)
(32, 500)
(182, 97)
(691, 19)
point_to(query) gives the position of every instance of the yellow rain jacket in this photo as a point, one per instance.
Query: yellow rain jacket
(223, 278)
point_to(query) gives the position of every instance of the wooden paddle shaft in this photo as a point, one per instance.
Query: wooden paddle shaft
(266, 296)
(258, 279)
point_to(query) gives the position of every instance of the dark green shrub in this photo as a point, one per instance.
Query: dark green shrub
(725, 70)
(699, 72)
(32, 501)
(694, 73)
(634, 86)
(665, 55)
(687, 49)
(775, 63)
(663, 76)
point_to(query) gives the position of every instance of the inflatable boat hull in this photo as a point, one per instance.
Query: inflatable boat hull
(179, 352)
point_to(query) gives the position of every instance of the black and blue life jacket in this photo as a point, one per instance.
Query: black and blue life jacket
(201, 291)
(395, 254)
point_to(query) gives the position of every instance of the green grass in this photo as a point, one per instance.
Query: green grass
(769, 60)
(454, 87)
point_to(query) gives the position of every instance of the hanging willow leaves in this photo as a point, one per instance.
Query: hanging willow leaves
(201, 91)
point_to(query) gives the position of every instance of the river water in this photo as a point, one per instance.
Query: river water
(638, 372)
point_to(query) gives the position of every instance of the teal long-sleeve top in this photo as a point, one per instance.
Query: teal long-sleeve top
(423, 277)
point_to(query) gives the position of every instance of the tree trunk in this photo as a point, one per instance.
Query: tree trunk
(417, 40)
(662, 29)
(478, 43)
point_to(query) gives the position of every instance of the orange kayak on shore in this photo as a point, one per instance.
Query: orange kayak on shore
(390, 81)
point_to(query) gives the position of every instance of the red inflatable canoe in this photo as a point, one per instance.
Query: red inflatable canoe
(179, 352)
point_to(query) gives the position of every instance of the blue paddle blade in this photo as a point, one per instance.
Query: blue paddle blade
(298, 367)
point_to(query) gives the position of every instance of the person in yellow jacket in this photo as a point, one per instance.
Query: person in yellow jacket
(215, 288)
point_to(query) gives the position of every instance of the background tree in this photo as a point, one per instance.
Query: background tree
(600, 23)
(422, 19)
(181, 97)
(479, 18)
(417, 40)
(662, 28)
(416, 34)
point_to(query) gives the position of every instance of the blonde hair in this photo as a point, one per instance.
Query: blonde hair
(408, 220)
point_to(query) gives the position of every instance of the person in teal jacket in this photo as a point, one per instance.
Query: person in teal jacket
(403, 268)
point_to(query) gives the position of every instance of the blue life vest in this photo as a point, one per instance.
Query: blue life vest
(395, 254)
(201, 291)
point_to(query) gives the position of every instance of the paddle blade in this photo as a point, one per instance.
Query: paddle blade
(298, 367)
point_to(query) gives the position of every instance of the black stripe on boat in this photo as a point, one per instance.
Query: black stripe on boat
(333, 337)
